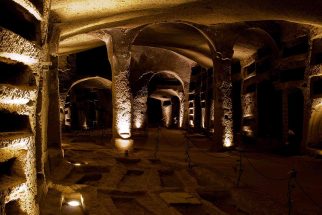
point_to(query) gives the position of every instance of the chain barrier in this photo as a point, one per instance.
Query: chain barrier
(290, 188)
(239, 168)
(291, 185)
(291, 177)
(308, 196)
(157, 144)
(187, 152)
(264, 175)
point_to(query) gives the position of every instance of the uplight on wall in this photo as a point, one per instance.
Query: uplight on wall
(124, 129)
(138, 123)
(227, 142)
(191, 123)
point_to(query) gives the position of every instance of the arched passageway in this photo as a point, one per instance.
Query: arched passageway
(88, 105)
(165, 100)
(257, 104)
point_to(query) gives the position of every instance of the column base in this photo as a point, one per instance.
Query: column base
(123, 146)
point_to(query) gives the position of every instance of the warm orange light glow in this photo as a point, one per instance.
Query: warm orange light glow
(123, 144)
(19, 57)
(15, 192)
(167, 112)
(181, 113)
(21, 143)
(138, 124)
(191, 123)
(20, 101)
(73, 199)
(124, 129)
(248, 130)
(74, 203)
(227, 141)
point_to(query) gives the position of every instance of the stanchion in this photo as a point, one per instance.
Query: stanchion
(187, 153)
(290, 188)
(239, 168)
(157, 144)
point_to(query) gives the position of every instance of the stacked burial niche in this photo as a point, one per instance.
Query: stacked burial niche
(201, 103)
(21, 35)
(255, 53)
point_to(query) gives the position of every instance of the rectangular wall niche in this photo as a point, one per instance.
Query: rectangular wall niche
(298, 46)
(316, 56)
(6, 167)
(316, 86)
(12, 122)
(292, 74)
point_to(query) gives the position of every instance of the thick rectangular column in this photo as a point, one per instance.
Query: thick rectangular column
(223, 120)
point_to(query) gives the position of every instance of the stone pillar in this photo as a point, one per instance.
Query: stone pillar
(223, 121)
(41, 121)
(53, 127)
(182, 109)
(118, 42)
(140, 108)
(185, 123)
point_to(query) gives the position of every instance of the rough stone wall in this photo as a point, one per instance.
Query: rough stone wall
(249, 105)
(310, 104)
(149, 61)
(225, 86)
(15, 47)
(152, 60)
(22, 99)
(140, 108)
(18, 99)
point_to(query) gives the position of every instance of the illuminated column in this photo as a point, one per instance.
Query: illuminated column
(120, 58)
(185, 107)
(223, 120)
(118, 42)
(139, 108)
(182, 109)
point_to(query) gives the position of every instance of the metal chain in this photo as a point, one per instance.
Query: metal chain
(290, 188)
(157, 144)
(187, 153)
(240, 169)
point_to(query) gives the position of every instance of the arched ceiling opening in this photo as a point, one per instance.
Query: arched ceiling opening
(164, 85)
(250, 41)
(91, 83)
(178, 37)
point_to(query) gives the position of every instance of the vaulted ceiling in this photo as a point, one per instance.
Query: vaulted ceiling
(72, 19)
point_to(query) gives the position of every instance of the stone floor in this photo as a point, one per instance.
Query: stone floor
(141, 184)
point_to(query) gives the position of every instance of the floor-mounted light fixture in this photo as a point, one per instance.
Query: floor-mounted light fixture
(73, 204)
